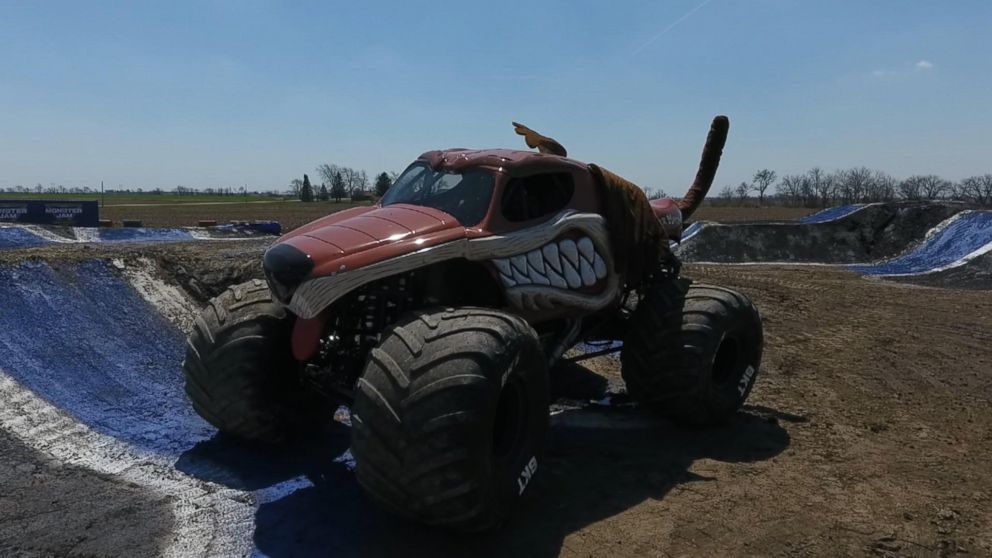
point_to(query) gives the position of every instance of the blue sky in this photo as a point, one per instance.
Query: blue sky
(208, 94)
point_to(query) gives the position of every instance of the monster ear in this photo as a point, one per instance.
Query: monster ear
(543, 144)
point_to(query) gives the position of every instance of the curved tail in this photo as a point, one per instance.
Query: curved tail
(708, 164)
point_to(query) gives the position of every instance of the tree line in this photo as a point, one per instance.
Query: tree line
(817, 188)
(339, 182)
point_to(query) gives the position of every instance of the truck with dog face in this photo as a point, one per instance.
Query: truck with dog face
(438, 313)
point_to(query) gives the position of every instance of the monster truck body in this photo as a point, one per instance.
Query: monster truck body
(437, 312)
(534, 221)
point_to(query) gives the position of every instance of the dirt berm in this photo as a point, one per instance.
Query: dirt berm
(976, 274)
(876, 232)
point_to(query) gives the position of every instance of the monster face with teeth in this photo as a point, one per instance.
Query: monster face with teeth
(563, 264)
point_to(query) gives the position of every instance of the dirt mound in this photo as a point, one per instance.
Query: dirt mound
(874, 232)
(203, 269)
(18, 236)
(976, 274)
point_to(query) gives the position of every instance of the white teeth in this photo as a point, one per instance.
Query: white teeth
(586, 248)
(588, 275)
(538, 277)
(519, 277)
(566, 264)
(550, 252)
(503, 266)
(599, 266)
(569, 250)
(557, 280)
(572, 275)
(536, 260)
(519, 263)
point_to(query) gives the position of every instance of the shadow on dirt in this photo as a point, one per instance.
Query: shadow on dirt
(600, 463)
(232, 463)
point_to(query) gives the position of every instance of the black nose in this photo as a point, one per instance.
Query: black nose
(285, 268)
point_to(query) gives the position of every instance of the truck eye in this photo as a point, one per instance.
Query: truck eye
(285, 268)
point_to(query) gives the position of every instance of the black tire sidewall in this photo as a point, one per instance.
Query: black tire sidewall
(726, 396)
(513, 478)
(418, 378)
(672, 360)
(255, 399)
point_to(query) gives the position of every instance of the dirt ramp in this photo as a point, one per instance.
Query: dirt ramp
(18, 236)
(870, 233)
(831, 213)
(975, 274)
(953, 243)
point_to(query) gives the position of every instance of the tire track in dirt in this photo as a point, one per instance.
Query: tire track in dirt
(896, 384)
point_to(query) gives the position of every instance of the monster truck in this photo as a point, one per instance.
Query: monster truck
(437, 313)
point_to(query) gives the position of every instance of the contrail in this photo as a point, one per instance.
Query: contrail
(671, 26)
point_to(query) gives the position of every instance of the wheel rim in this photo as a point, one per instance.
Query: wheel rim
(511, 418)
(726, 364)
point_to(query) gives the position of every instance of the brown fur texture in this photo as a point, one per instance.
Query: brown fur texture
(637, 239)
(712, 150)
(543, 144)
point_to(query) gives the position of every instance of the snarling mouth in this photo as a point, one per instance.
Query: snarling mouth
(565, 264)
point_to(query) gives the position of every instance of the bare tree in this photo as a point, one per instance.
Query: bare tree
(762, 180)
(976, 189)
(359, 182)
(727, 192)
(327, 172)
(742, 189)
(935, 187)
(881, 187)
(822, 185)
(923, 187)
(853, 184)
(295, 187)
(793, 188)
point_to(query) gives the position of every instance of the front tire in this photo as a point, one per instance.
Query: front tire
(692, 352)
(450, 417)
(241, 376)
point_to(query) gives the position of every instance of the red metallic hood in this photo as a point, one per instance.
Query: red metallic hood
(361, 236)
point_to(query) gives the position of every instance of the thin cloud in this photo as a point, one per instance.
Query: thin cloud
(921, 66)
(671, 26)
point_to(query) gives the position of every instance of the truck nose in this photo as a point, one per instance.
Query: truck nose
(285, 268)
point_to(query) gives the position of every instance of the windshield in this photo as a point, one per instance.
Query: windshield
(465, 196)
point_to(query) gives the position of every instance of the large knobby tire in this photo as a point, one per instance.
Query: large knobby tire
(450, 417)
(240, 372)
(692, 352)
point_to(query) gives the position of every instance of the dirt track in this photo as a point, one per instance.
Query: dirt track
(868, 432)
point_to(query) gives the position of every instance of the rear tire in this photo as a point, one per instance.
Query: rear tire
(450, 417)
(240, 372)
(692, 352)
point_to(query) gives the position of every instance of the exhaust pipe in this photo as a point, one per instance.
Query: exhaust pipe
(708, 164)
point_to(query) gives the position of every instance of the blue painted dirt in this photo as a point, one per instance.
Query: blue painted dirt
(144, 235)
(83, 339)
(78, 335)
(831, 213)
(951, 242)
(17, 237)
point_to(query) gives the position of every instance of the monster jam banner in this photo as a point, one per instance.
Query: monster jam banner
(50, 212)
